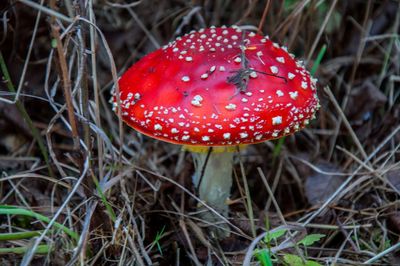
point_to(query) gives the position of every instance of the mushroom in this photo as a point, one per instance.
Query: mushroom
(217, 87)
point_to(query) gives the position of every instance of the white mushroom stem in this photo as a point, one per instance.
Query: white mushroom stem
(215, 177)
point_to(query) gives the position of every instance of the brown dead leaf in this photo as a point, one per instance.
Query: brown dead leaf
(394, 222)
(363, 101)
(321, 185)
(393, 177)
(11, 119)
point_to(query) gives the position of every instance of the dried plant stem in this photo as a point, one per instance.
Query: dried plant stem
(249, 204)
(84, 99)
(66, 84)
(321, 31)
(46, 10)
(346, 122)
(92, 33)
(264, 16)
(383, 253)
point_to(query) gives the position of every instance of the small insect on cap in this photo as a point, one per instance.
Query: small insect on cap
(217, 87)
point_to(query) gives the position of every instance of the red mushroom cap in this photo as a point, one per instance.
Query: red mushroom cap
(217, 87)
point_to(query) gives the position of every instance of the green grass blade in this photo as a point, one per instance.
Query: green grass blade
(19, 235)
(317, 61)
(277, 149)
(103, 198)
(41, 249)
(263, 257)
(11, 210)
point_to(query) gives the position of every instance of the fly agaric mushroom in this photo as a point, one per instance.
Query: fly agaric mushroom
(217, 87)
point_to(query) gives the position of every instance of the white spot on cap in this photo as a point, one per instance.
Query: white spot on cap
(279, 93)
(227, 135)
(243, 135)
(175, 49)
(238, 60)
(245, 100)
(280, 59)
(189, 59)
(274, 69)
(205, 138)
(253, 74)
(185, 79)
(157, 127)
(224, 32)
(252, 34)
(174, 131)
(304, 84)
(291, 75)
(185, 137)
(277, 120)
(137, 96)
(314, 80)
(259, 53)
(230, 106)
(212, 69)
(294, 94)
(234, 37)
(204, 76)
(197, 99)
(221, 68)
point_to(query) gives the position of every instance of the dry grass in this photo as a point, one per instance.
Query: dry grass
(91, 191)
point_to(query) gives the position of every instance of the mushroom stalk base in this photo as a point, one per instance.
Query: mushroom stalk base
(215, 186)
